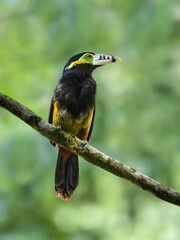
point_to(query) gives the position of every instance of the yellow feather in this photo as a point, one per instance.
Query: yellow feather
(89, 124)
(74, 63)
(55, 111)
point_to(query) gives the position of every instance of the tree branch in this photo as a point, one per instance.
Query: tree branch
(88, 152)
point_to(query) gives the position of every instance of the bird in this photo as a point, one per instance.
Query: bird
(73, 109)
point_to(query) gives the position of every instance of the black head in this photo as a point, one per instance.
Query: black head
(86, 62)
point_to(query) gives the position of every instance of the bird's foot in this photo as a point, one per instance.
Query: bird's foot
(58, 127)
(54, 144)
(84, 143)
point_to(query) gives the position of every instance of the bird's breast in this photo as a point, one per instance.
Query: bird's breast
(76, 96)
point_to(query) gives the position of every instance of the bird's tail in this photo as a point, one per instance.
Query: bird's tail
(66, 175)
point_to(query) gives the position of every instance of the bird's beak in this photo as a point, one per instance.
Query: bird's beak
(102, 59)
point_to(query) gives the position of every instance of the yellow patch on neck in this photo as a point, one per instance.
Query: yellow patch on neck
(75, 63)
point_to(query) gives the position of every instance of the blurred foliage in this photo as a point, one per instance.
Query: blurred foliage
(137, 117)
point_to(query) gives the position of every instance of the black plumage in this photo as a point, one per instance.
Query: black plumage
(73, 108)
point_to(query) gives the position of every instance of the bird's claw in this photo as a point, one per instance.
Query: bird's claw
(58, 127)
(54, 144)
(84, 143)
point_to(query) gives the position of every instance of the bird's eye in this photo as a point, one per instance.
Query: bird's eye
(88, 56)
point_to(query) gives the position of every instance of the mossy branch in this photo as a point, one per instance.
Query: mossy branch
(88, 152)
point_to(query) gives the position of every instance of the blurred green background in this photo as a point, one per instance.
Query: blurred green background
(137, 117)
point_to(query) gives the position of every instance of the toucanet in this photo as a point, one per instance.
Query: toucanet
(73, 109)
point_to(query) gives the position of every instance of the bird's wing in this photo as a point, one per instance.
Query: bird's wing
(91, 127)
(50, 120)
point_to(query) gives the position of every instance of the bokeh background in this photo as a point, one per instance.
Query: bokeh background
(137, 117)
